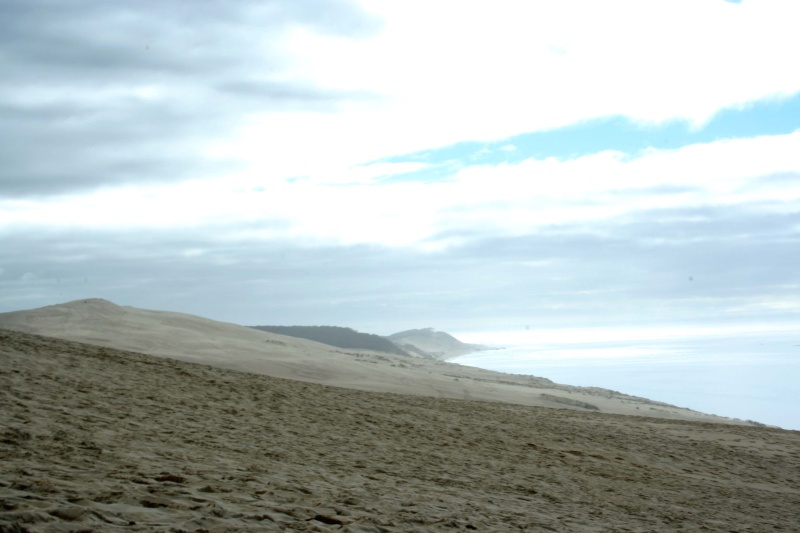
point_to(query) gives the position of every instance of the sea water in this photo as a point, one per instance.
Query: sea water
(749, 373)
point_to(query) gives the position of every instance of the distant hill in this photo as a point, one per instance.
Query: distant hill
(433, 344)
(337, 336)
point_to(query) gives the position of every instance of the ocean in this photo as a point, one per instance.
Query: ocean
(744, 372)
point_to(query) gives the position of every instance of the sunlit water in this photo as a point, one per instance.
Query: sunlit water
(747, 373)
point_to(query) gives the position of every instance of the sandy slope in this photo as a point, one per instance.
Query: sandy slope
(197, 339)
(95, 439)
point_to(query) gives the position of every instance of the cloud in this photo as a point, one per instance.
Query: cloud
(687, 265)
(245, 161)
(491, 73)
(491, 200)
(108, 94)
(131, 92)
(702, 233)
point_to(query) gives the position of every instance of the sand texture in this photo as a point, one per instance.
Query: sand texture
(197, 339)
(96, 439)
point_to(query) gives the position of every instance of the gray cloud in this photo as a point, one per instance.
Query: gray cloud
(70, 120)
(681, 265)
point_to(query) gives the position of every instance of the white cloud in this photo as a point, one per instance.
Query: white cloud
(316, 97)
(503, 199)
(450, 71)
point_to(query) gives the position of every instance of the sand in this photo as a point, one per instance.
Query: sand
(196, 339)
(97, 439)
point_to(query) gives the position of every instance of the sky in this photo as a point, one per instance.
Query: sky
(388, 164)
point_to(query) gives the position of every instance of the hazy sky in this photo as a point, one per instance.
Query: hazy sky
(389, 164)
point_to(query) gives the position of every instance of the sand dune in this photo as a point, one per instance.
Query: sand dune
(96, 439)
(196, 339)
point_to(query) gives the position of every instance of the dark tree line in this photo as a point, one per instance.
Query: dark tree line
(337, 336)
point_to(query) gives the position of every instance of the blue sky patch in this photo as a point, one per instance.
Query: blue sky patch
(766, 117)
